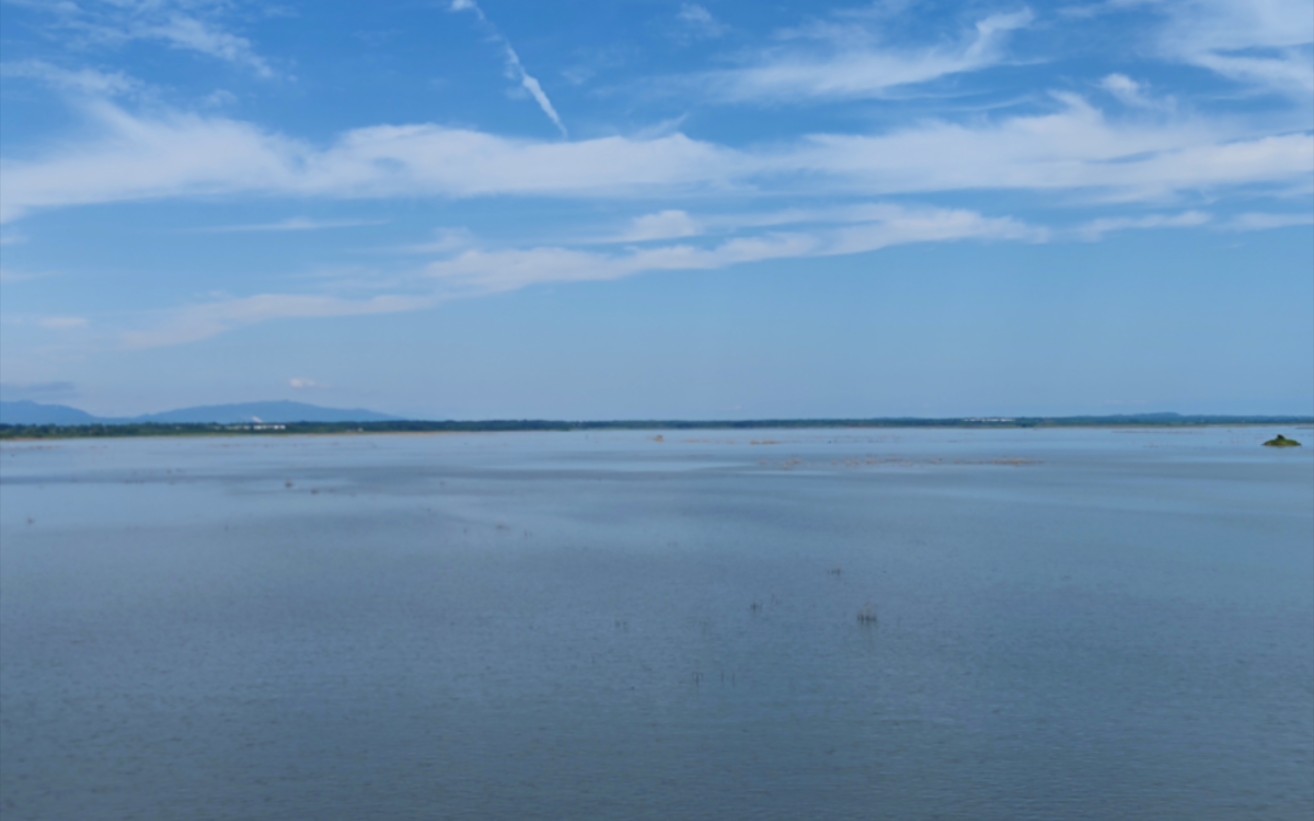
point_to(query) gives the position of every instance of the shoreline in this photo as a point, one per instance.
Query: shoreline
(43, 433)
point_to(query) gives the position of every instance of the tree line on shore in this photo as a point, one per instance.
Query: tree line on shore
(530, 425)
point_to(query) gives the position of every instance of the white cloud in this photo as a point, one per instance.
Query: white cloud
(859, 70)
(477, 271)
(1259, 221)
(291, 224)
(9, 276)
(480, 271)
(443, 241)
(192, 323)
(1073, 147)
(474, 271)
(186, 155)
(1288, 70)
(190, 33)
(1097, 229)
(81, 81)
(1261, 42)
(697, 21)
(143, 159)
(179, 24)
(1128, 91)
(62, 323)
(219, 98)
(388, 160)
(300, 383)
(670, 224)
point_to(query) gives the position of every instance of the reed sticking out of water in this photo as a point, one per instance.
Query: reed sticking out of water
(867, 615)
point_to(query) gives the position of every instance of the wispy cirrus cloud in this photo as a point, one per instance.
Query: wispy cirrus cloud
(1132, 93)
(479, 271)
(198, 321)
(136, 158)
(9, 276)
(173, 155)
(1074, 146)
(843, 64)
(669, 224)
(696, 22)
(62, 323)
(1267, 221)
(470, 269)
(190, 33)
(442, 241)
(195, 26)
(1097, 229)
(1263, 42)
(289, 225)
(78, 81)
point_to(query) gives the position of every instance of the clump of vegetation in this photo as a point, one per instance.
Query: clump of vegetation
(1281, 442)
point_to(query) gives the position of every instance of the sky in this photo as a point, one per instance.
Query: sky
(628, 209)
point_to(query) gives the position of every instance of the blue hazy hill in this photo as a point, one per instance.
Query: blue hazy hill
(26, 412)
(36, 413)
(263, 412)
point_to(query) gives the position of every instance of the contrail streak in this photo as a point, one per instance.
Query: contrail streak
(517, 69)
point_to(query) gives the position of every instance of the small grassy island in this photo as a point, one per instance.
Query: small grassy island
(1281, 442)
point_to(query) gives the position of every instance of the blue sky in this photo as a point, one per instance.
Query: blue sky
(642, 208)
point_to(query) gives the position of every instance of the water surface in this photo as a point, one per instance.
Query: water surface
(1071, 623)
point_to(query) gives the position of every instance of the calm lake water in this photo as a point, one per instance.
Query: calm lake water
(1071, 624)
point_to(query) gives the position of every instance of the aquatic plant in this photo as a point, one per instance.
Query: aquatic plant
(1281, 442)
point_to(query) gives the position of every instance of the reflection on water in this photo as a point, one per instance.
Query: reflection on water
(1069, 624)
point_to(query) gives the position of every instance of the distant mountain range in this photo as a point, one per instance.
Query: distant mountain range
(36, 413)
(302, 417)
